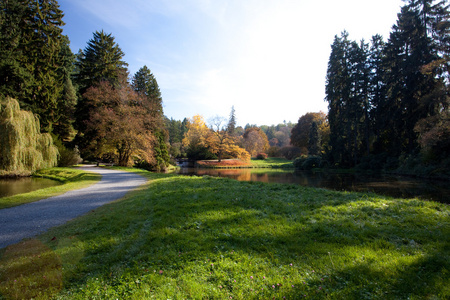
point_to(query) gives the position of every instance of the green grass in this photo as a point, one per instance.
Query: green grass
(272, 162)
(215, 238)
(71, 178)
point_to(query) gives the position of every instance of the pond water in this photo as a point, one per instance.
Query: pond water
(14, 186)
(388, 185)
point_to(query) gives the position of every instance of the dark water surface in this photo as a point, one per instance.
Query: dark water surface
(14, 186)
(388, 185)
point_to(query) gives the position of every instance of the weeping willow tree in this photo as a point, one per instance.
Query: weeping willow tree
(23, 148)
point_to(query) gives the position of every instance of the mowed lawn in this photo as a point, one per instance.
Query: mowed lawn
(215, 238)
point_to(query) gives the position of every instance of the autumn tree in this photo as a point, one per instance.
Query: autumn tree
(116, 126)
(255, 141)
(221, 142)
(301, 132)
(195, 139)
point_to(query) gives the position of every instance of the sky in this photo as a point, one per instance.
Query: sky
(267, 58)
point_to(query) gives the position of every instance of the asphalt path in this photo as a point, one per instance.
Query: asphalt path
(28, 220)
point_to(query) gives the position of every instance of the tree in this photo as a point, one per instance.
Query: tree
(23, 148)
(301, 132)
(195, 139)
(314, 139)
(231, 127)
(145, 84)
(100, 61)
(221, 142)
(30, 52)
(255, 141)
(116, 127)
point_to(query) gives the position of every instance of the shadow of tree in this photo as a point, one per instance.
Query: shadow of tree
(306, 241)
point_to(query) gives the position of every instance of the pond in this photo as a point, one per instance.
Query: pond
(14, 186)
(388, 185)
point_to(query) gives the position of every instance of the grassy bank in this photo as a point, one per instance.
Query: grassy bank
(71, 178)
(271, 162)
(215, 238)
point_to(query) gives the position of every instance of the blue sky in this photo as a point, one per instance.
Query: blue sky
(268, 58)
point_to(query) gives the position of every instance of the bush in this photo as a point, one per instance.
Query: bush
(261, 156)
(290, 152)
(274, 151)
(67, 157)
(308, 162)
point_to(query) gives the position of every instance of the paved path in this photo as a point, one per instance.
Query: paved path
(28, 220)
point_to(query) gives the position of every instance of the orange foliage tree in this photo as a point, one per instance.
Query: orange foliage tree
(255, 141)
(117, 124)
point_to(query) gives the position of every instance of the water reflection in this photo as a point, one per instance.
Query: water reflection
(14, 186)
(395, 186)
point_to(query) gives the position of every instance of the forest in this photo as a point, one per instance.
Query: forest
(388, 102)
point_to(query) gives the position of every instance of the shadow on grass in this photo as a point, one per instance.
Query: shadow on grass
(217, 238)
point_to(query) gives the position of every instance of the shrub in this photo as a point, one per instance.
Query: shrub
(290, 152)
(261, 156)
(308, 162)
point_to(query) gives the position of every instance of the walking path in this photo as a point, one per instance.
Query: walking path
(28, 220)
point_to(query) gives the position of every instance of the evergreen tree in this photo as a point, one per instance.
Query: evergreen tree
(231, 127)
(30, 46)
(407, 51)
(314, 139)
(338, 91)
(144, 83)
(101, 60)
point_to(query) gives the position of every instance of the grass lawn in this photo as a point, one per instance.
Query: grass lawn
(271, 162)
(215, 238)
(72, 179)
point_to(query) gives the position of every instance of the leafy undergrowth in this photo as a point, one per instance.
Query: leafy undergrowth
(71, 178)
(215, 238)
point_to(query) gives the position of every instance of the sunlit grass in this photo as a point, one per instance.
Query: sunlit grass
(272, 162)
(215, 238)
(71, 178)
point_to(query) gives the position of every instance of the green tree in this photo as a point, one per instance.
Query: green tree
(145, 84)
(301, 132)
(314, 139)
(30, 56)
(231, 127)
(101, 60)
(23, 148)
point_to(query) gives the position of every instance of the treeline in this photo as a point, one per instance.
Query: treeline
(85, 101)
(389, 101)
(273, 140)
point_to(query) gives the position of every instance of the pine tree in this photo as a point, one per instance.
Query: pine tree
(407, 51)
(101, 60)
(144, 83)
(314, 139)
(30, 46)
(231, 127)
